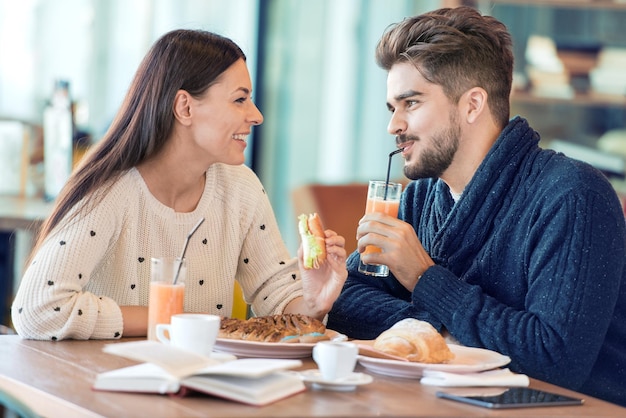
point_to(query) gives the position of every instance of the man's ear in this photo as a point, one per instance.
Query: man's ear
(476, 103)
(182, 107)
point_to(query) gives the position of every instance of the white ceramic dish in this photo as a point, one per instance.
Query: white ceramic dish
(242, 348)
(349, 383)
(466, 360)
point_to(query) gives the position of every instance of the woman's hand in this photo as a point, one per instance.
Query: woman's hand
(322, 286)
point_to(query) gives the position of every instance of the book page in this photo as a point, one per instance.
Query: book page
(141, 378)
(250, 367)
(180, 363)
(253, 391)
(177, 362)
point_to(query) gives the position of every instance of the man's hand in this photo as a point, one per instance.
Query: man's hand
(402, 250)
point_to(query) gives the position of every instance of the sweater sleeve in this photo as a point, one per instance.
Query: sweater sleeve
(269, 275)
(51, 303)
(575, 263)
(369, 305)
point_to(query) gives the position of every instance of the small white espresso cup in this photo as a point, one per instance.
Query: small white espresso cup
(191, 332)
(335, 359)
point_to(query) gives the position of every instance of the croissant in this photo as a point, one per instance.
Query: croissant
(414, 340)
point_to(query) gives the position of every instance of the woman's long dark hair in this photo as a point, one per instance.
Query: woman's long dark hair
(190, 60)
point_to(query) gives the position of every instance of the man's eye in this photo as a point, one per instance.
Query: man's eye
(411, 103)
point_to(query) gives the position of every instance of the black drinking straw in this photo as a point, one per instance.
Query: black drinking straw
(391, 154)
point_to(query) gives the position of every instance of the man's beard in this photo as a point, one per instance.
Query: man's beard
(433, 162)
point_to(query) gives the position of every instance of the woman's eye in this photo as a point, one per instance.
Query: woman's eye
(241, 100)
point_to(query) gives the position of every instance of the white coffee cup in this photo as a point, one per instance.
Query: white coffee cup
(191, 332)
(335, 359)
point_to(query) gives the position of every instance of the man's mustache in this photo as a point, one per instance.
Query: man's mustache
(403, 139)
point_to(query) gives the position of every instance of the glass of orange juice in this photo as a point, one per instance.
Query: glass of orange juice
(381, 197)
(166, 298)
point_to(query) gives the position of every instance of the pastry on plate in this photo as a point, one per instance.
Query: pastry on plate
(415, 340)
(291, 328)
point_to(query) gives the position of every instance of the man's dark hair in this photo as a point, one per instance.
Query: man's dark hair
(456, 48)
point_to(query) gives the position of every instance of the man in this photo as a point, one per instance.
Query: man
(502, 244)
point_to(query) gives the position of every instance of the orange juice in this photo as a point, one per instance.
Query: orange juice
(378, 204)
(382, 197)
(166, 299)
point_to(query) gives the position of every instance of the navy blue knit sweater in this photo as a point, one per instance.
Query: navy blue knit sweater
(530, 262)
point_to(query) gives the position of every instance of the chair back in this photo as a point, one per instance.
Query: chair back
(241, 310)
(340, 207)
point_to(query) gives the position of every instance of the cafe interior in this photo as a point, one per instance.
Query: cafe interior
(315, 80)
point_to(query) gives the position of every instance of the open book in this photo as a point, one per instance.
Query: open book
(167, 369)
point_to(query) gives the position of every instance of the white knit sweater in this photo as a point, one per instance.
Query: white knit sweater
(85, 270)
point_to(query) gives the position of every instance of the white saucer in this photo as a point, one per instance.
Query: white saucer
(348, 383)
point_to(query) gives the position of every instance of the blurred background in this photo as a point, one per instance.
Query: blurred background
(314, 78)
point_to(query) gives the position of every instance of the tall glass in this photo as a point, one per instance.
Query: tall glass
(166, 298)
(381, 197)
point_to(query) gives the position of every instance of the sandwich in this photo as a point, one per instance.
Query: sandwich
(313, 240)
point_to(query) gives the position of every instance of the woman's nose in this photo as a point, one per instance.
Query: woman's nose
(256, 117)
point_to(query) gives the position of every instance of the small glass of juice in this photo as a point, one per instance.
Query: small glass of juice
(381, 197)
(166, 297)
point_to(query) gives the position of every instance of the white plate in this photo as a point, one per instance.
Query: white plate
(243, 348)
(466, 360)
(348, 383)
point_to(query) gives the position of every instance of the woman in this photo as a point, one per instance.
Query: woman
(173, 155)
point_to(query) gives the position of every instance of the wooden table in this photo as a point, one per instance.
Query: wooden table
(58, 377)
